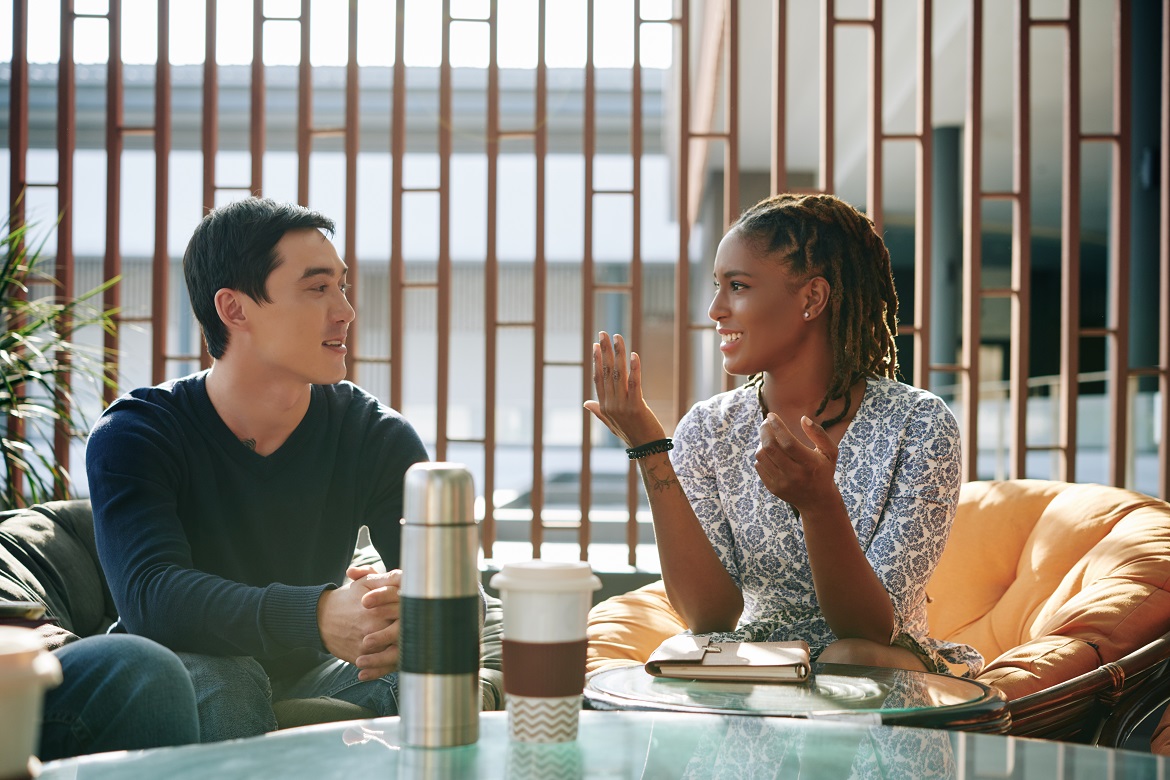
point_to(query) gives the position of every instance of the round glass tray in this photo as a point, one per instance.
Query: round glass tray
(888, 695)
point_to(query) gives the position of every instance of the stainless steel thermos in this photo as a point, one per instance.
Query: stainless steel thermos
(439, 697)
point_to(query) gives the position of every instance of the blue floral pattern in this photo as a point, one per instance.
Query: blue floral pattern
(898, 471)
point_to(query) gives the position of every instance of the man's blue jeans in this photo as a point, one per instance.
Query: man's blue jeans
(235, 694)
(118, 692)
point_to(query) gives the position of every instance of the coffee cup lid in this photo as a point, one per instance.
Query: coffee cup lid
(19, 644)
(22, 656)
(541, 575)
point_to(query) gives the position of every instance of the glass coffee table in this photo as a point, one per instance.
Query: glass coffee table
(833, 691)
(621, 745)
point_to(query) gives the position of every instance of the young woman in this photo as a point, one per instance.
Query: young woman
(814, 501)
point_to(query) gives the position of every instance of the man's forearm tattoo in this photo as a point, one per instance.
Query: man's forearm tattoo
(657, 483)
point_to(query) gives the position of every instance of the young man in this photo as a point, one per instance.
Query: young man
(227, 504)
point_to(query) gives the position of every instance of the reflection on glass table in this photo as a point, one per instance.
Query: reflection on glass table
(893, 696)
(629, 745)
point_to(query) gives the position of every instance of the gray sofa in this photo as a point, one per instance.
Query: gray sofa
(48, 555)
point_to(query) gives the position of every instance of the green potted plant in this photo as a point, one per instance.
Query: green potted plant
(37, 348)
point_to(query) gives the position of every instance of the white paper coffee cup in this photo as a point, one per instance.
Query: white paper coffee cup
(26, 670)
(546, 608)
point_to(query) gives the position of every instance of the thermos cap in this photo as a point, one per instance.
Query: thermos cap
(438, 494)
(540, 575)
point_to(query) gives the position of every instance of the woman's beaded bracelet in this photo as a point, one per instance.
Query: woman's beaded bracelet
(650, 448)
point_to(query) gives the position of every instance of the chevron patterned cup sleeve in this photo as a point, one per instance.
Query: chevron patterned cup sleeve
(546, 606)
(547, 762)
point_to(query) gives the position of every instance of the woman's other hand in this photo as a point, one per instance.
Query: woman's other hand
(618, 385)
(793, 471)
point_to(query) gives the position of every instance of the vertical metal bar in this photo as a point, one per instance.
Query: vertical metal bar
(588, 282)
(66, 143)
(210, 139)
(256, 129)
(17, 184)
(709, 68)
(303, 109)
(112, 264)
(18, 120)
(779, 179)
(1164, 265)
(539, 282)
(443, 326)
(304, 106)
(1119, 241)
(873, 197)
(1070, 251)
(491, 302)
(160, 266)
(635, 263)
(828, 110)
(682, 312)
(210, 106)
(924, 198)
(1021, 243)
(397, 262)
(352, 147)
(730, 42)
(731, 115)
(972, 236)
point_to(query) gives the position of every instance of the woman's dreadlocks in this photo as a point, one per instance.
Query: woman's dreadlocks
(820, 235)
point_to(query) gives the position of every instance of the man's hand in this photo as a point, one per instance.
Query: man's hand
(359, 621)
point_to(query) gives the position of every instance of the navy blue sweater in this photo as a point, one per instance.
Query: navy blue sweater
(209, 547)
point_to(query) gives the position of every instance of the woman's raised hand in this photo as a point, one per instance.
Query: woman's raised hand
(791, 470)
(618, 385)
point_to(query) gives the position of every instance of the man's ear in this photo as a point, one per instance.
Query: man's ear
(230, 308)
(816, 296)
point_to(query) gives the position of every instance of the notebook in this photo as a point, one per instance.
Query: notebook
(697, 658)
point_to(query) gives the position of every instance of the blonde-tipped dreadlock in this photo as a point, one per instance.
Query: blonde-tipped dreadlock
(820, 235)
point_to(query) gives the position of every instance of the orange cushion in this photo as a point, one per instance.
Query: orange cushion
(1047, 579)
(623, 630)
(1032, 666)
(1082, 561)
(993, 523)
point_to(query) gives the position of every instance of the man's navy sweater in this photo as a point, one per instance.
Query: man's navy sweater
(211, 548)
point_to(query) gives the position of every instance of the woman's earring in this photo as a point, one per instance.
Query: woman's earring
(806, 315)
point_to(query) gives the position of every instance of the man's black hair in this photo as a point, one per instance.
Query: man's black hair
(234, 247)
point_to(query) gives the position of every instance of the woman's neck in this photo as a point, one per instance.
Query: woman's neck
(792, 399)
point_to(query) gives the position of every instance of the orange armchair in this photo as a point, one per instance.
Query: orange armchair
(1064, 588)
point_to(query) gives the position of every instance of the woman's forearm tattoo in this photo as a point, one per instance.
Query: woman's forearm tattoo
(658, 483)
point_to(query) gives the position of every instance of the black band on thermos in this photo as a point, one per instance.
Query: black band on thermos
(443, 635)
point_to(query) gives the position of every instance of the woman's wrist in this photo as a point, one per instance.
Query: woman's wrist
(653, 447)
(820, 504)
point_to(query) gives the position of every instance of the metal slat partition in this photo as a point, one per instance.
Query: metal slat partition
(1019, 292)
(1070, 253)
(161, 263)
(702, 77)
(115, 142)
(923, 197)
(66, 142)
(921, 138)
(972, 274)
(1117, 340)
(18, 182)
